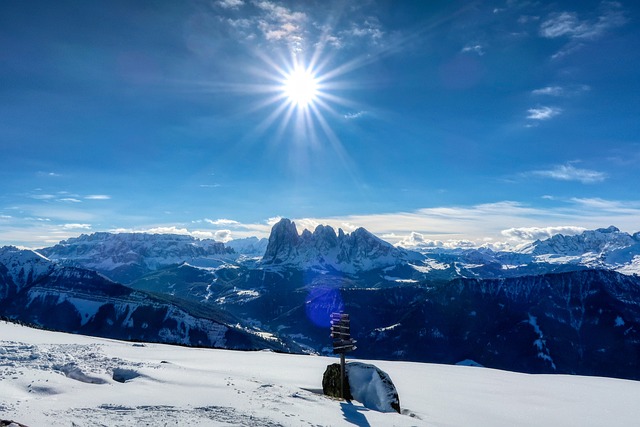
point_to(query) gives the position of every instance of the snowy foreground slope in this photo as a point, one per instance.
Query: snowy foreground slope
(58, 379)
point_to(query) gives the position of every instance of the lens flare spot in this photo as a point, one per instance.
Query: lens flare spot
(320, 303)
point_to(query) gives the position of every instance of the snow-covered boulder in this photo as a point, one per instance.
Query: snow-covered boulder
(372, 387)
(365, 383)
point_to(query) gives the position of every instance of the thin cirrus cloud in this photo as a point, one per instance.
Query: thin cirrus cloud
(561, 91)
(579, 31)
(473, 48)
(569, 172)
(568, 24)
(543, 113)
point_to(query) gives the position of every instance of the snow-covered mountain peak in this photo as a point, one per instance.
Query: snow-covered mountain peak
(24, 266)
(120, 255)
(250, 246)
(590, 241)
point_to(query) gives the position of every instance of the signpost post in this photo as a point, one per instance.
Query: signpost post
(342, 341)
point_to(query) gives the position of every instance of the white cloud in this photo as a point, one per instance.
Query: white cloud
(279, 23)
(563, 91)
(543, 113)
(98, 197)
(230, 4)
(569, 25)
(369, 28)
(569, 172)
(355, 115)
(223, 236)
(222, 221)
(473, 48)
(76, 226)
(273, 220)
(563, 23)
(549, 90)
(540, 233)
(418, 241)
(70, 200)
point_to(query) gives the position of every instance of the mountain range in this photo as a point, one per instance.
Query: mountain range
(33, 289)
(568, 304)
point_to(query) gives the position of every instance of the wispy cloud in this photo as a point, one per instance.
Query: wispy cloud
(473, 48)
(369, 28)
(543, 113)
(579, 31)
(549, 90)
(222, 221)
(355, 115)
(97, 197)
(568, 24)
(43, 196)
(76, 226)
(561, 91)
(608, 206)
(568, 172)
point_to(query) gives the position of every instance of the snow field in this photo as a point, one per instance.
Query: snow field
(58, 379)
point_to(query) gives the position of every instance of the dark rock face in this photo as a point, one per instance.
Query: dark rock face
(331, 382)
(283, 241)
(351, 253)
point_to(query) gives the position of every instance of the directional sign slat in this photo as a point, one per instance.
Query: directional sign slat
(341, 333)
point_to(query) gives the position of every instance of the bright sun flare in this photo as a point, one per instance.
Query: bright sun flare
(301, 87)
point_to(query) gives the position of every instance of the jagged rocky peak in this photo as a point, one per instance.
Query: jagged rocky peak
(283, 241)
(359, 250)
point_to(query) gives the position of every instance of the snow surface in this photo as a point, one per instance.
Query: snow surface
(57, 379)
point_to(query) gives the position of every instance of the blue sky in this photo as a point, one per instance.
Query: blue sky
(447, 122)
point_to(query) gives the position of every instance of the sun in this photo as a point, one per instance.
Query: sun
(300, 87)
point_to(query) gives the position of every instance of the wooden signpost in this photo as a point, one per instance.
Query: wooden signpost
(342, 341)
